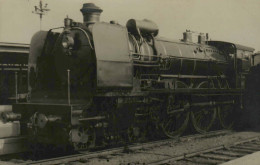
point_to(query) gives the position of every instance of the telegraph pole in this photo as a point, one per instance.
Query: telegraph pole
(41, 10)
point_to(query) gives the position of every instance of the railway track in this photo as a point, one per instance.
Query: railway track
(85, 156)
(215, 155)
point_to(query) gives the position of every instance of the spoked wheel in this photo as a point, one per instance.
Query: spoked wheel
(176, 119)
(85, 138)
(203, 117)
(175, 124)
(226, 116)
(226, 112)
(134, 134)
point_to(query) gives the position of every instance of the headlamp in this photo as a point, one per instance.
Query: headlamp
(67, 42)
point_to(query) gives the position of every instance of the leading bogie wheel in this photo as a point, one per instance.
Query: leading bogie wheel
(83, 138)
(135, 134)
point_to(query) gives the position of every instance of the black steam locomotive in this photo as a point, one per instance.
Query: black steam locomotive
(98, 82)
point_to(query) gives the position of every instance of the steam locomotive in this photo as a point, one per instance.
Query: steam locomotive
(98, 82)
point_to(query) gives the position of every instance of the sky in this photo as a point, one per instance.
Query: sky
(236, 21)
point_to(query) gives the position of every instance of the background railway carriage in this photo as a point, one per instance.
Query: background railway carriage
(13, 60)
(98, 82)
(13, 86)
(256, 59)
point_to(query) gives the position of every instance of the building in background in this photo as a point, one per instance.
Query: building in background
(13, 71)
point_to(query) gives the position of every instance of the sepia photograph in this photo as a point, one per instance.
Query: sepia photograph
(129, 82)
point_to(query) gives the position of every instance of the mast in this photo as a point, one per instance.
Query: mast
(41, 10)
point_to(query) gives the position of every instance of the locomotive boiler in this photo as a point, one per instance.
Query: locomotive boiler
(97, 82)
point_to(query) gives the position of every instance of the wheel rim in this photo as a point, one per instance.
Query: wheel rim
(175, 124)
(203, 118)
(226, 115)
(133, 134)
(85, 137)
(89, 137)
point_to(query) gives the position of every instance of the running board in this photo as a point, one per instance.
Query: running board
(198, 91)
(201, 104)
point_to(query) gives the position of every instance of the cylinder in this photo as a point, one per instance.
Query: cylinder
(91, 13)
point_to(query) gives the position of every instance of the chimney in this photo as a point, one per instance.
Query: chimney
(91, 13)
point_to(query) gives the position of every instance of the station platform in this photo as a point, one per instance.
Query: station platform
(252, 159)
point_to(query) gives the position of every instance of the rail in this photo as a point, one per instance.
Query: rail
(89, 155)
(215, 155)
